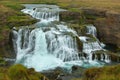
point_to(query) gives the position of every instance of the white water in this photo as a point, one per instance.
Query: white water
(90, 46)
(50, 45)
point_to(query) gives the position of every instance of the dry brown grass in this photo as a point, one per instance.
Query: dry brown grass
(101, 4)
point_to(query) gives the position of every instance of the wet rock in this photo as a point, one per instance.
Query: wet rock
(77, 71)
(114, 57)
(62, 74)
(6, 45)
(54, 74)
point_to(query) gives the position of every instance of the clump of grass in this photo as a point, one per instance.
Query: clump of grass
(3, 74)
(105, 73)
(19, 72)
(12, 4)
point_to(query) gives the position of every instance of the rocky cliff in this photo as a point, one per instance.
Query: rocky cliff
(106, 22)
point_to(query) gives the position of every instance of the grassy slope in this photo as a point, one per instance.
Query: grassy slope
(102, 4)
(11, 16)
(104, 73)
(19, 72)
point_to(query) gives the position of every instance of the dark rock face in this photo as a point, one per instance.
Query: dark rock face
(107, 24)
(72, 17)
(109, 29)
(95, 12)
(6, 46)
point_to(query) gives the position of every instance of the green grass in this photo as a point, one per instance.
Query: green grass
(19, 72)
(103, 73)
(10, 16)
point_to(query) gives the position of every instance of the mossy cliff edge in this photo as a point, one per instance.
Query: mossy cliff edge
(10, 16)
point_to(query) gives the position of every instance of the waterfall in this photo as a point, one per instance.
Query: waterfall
(49, 45)
(62, 45)
(43, 12)
(91, 30)
(90, 46)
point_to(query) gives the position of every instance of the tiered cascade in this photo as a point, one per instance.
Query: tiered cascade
(53, 45)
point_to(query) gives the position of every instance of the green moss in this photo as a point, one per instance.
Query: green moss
(75, 17)
(91, 38)
(12, 5)
(2, 62)
(79, 28)
(19, 72)
(74, 9)
(64, 5)
(20, 20)
(91, 17)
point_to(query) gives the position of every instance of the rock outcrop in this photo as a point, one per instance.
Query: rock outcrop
(70, 16)
(107, 23)
(109, 28)
(6, 45)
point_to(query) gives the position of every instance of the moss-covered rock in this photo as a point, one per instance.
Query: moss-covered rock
(79, 28)
(91, 38)
(19, 72)
(2, 62)
(72, 17)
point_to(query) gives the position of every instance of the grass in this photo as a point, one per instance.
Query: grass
(11, 16)
(103, 4)
(103, 73)
(19, 72)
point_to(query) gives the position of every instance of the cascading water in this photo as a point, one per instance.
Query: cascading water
(50, 45)
(90, 46)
